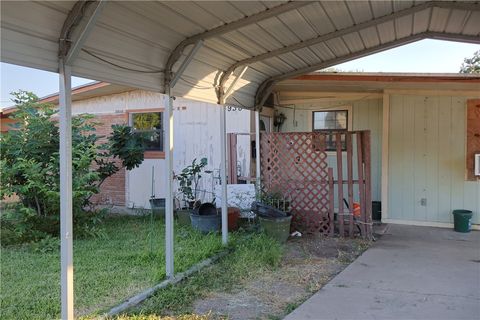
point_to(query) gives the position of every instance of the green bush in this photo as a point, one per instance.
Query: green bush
(29, 166)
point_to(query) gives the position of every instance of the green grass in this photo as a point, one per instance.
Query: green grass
(252, 255)
(106, 270)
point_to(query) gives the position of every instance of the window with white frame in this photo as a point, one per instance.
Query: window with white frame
(150, 126)
(331, 121)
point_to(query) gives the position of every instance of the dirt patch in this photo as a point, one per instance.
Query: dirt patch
(308, 264)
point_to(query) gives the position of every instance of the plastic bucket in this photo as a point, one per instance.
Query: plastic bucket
(158, 206)
(462, 220)
(276, 228)
(183, 216)
(206, 224)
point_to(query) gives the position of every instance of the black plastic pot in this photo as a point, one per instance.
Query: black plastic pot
(267, 211)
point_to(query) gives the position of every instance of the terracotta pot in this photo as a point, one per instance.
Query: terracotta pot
(233, 216)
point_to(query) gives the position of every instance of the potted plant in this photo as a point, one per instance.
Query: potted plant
(188, 180)
(274, 214)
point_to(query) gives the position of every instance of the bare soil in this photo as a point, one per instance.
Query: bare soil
(308, 264)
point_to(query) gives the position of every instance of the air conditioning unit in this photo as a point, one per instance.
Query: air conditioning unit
(477, 164)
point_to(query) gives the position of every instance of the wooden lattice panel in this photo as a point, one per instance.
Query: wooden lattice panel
(295, 164)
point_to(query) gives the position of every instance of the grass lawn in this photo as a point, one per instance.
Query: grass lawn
(253, 255)
(107, 270)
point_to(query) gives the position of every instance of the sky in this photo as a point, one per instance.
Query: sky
(426, 56)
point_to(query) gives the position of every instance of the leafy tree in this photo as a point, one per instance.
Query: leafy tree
(471, 65)
(29, 164)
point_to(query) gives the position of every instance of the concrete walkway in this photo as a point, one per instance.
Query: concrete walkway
(409, 273)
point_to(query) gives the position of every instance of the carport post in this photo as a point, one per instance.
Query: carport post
(168, 142)
(257, 152)
(66, 244)
(223, 172)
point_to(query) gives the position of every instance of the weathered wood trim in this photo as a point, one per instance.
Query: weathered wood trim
(361, 184)
(472, 137)
(331, 202)
(338, 143)
(368, 181)
(350, 181)
(232, 158)
(389, 78)
(426, 92)
(154, 155)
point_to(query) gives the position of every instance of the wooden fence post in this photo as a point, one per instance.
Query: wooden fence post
(368, 184)
(350, 180)
(338, 144)
(331, 196)
(361, 183)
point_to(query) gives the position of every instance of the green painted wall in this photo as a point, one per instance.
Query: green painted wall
(427, 159)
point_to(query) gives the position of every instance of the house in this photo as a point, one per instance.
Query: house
(422, 143)
(424, 135)
(197, 137)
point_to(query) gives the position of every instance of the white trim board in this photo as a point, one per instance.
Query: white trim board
(385, 155)
(426, 223)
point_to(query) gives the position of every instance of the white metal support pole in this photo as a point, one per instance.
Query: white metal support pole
(66, 243)
(223, 172)
(257, 151)
(168, 142)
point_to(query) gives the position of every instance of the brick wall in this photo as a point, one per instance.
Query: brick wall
(112, 191)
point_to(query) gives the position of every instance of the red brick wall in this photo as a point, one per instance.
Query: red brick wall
(112, 191)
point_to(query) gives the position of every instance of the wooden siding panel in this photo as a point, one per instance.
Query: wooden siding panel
(427, 159)
(367, 115)
(419, 157)
(408, 159)
(457, 160)
(444, 173)
(395, 190)
(432, 150)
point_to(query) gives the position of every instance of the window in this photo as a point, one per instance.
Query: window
(150, 126)
(331, 121)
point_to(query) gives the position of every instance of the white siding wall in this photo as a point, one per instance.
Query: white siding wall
(366, 115)
(427, 159)
(196, 135)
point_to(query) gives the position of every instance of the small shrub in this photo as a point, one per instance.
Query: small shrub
(29, 168)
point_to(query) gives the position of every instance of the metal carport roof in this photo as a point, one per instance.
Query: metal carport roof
(276, 40)
(198, 46)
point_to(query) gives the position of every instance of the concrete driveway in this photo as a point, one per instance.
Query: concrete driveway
(409, 273)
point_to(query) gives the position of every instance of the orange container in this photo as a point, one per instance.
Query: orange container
(356, 210)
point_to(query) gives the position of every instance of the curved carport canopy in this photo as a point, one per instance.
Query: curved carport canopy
(144, 44)
(220, 52)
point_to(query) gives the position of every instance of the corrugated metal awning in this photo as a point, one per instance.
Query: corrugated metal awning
(276, 40)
